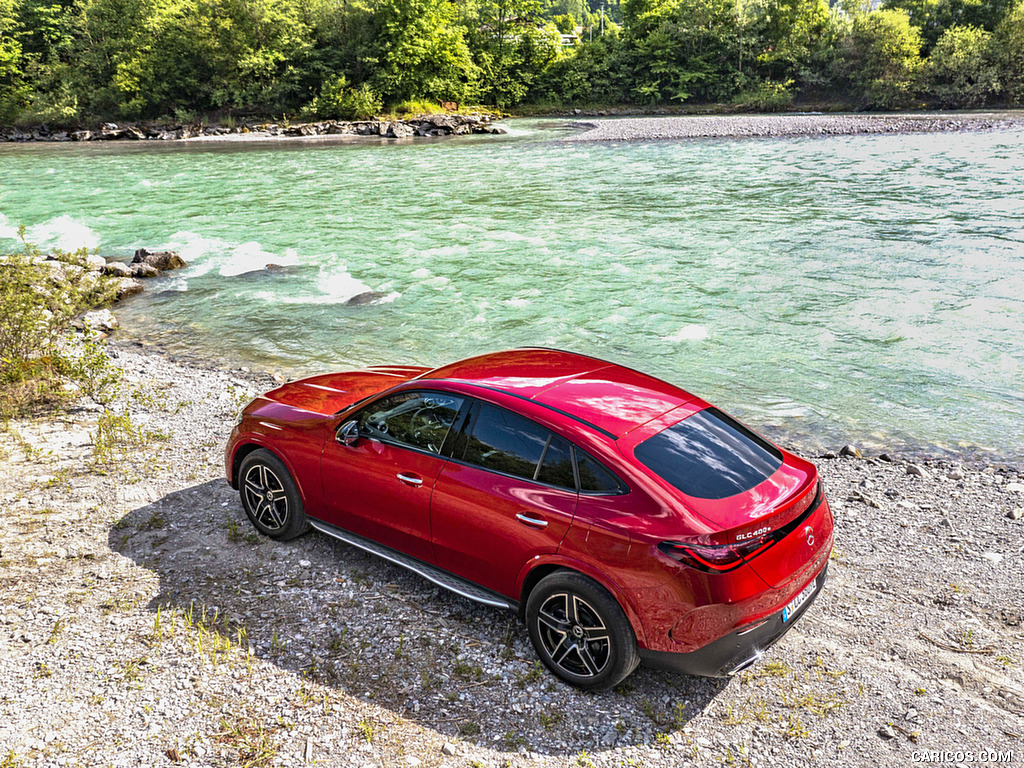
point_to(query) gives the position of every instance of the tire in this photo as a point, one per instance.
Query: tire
(270, 497)
(580, 632)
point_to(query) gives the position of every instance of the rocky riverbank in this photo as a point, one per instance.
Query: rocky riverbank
(420, 126)
(143, 622)
(764, 126)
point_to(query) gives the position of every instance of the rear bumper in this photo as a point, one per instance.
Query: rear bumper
(735, 652)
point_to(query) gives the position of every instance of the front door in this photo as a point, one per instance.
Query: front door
(380, 485)
(507, 495)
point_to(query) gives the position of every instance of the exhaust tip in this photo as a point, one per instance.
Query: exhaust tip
(744, 664)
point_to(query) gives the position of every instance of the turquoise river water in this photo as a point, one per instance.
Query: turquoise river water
(866, 288)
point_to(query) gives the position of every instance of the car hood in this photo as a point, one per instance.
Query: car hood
(332, 392)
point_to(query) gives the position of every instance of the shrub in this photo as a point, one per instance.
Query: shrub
(417, 107)
(881, 59)
(337, 101)
(1008, 47)
(961, 69)
(39, 356)
(766, 96)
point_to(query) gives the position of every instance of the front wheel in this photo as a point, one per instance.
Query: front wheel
(580, 632)
(270, 497)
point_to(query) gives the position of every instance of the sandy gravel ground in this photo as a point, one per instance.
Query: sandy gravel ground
(144, 623)
(739, 126)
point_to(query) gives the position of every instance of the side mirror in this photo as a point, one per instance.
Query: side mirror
(349, 433)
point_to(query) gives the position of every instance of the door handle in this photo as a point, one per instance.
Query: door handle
(535, 522)
(410, 479)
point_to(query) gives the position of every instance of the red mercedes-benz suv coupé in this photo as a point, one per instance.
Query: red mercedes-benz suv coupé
(623, 518)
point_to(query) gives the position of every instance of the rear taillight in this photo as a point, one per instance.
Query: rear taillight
(722, 558)
(712, 558)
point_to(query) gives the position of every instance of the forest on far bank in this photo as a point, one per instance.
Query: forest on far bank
(72, 62)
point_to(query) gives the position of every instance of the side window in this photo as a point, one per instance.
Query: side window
(594, 478)
(506, 442)
(556, 465)
(417, 419)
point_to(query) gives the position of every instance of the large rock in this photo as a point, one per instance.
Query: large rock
(143, 270)
(364, 298)
(128, 286)
(399, 131)
(162, 260)
(95, 263)
(117, 269)
(101, 320)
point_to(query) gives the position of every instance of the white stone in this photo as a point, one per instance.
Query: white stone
(94, 262)
(100, 320)
(993, 557)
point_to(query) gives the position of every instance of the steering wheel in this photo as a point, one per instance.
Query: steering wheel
(422, 422)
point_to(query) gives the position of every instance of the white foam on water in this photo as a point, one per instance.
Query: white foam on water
(421, 273)
(338, 287)
(332, 287)
(177, 283)
(438, 282)
(62, 232)
(7, 230)
(516, 303)
(248, 257)
(206, 254)
(689, 333)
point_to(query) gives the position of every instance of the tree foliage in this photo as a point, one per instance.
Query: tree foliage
(881, 60)
(68, 61)
(962, 69)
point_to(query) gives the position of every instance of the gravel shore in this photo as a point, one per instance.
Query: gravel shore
(752, 126)
(144, 623)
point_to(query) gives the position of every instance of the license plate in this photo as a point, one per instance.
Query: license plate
(796, 602)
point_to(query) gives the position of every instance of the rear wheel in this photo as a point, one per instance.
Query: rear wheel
(270, 497)
(580, 632)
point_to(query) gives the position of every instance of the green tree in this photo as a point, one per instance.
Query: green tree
(1008, 49)
(692, 53)
(795, 39)
(589, 73)
(109, 33)
(565, 23)
(934, 17)
(513, 46)
(881, 59)
(961, 69)
(11, 87)
(420, 52)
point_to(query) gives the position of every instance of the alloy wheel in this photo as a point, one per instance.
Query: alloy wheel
(574, 635)
(265, 496)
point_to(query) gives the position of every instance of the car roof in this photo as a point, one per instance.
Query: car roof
(611, 397)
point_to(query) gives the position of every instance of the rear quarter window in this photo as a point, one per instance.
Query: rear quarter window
(710, 456)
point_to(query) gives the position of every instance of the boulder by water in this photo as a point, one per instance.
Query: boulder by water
(362, 299)
(161, 260)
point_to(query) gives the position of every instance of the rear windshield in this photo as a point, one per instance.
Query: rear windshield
(710, 456)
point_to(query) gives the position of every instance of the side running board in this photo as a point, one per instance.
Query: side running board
(432, 573)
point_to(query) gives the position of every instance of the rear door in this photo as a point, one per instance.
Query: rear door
(507, 495)
(379, 487)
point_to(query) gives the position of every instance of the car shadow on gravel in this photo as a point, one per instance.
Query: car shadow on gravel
(330, 613)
